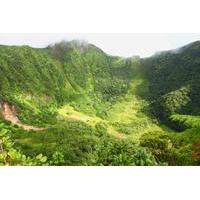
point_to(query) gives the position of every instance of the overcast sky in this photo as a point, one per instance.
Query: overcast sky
(115, 44)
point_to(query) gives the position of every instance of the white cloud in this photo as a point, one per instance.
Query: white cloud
(121, 44)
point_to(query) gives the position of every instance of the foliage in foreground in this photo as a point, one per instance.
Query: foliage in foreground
(9, 155)
(60, 146)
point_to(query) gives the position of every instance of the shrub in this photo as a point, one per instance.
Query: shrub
(159, 144)
(101, 128)
(122, 152)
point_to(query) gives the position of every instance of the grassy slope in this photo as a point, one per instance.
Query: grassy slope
(130, 115)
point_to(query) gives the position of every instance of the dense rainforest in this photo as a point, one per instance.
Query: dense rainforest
(72, 104)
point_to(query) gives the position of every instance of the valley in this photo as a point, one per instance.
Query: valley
(75, 105)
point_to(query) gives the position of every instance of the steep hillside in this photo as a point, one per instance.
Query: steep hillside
(174, 81)
(74, 72)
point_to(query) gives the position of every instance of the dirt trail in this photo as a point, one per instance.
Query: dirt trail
(9, 113)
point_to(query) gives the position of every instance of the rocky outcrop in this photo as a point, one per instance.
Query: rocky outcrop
(9, 113)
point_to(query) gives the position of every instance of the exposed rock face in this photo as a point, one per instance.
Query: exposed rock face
(9, 113)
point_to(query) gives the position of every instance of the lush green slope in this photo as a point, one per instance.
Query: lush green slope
(174, 97)
(74, 72)
(98, 109)
(174, 81)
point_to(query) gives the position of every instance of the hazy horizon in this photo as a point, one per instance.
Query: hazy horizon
(116, 44)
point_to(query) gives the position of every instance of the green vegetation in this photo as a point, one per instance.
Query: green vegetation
(9, 155)
(97, 109)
